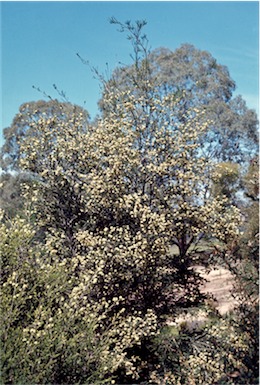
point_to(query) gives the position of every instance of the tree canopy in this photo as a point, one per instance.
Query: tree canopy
(203, 82)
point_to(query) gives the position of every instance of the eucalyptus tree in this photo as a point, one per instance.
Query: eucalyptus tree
(203, 82)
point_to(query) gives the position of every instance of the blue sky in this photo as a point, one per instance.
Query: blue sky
(40, 41)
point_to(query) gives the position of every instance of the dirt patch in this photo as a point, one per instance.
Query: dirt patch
(219, 284)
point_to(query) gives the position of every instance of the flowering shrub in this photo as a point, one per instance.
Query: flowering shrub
(51, 330)
(88, 276)
(215, 352)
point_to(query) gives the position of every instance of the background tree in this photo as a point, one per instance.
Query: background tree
(232, 136)
(11, 198)
(243, 262)
(227, 180)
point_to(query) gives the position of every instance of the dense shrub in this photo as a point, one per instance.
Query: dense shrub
(88, 277)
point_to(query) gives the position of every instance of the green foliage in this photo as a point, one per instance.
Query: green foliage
(51, 330)
(11, 199)
(36, 331)
(251, 180)
(216, 352)
(242, 259)
(226, 178)
(203, 83)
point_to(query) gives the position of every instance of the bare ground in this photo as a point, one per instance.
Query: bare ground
(219, 284)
